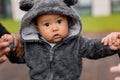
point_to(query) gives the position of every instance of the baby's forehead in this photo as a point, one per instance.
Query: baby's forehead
(50, 16)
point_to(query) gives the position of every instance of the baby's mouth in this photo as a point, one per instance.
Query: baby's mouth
(57, 36)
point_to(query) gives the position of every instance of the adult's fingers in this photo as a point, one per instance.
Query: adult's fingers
(3, 59)
(117, 78)
(115, 68)
(4, 48)
(4, 51)
(3, 44)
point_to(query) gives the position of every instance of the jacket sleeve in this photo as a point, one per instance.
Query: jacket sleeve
(94, 49)
(13, 59)
(119, 53)
(3, 30)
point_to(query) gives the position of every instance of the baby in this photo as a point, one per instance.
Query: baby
(53, 44)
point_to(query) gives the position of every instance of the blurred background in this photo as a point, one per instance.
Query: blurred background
(99, 17)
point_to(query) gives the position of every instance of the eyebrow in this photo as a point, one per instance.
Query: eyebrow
(59, 16)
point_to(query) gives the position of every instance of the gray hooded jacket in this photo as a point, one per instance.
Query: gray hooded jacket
(64, 60)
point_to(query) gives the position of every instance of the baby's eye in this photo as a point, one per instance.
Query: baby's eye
(59, 21)
(47, 24)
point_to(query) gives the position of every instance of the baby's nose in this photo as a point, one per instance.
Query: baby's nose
(54, 27)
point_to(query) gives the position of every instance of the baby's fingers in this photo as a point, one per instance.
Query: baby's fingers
(105, 40)
(7, 38)
(114, 47)
(117, 42)
(4, 38)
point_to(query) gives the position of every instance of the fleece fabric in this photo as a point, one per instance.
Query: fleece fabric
(63, 61)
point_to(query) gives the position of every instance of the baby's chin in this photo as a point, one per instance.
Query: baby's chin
(56, 40)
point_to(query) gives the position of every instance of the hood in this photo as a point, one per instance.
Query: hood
(28, 27)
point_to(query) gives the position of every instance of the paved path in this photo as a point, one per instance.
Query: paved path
(92, 69)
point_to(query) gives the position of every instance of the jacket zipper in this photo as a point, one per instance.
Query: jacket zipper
(51, 60)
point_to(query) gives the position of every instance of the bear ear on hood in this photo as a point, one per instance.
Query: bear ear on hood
(70, 2)
(25, 5)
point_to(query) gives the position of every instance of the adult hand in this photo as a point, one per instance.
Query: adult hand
(17, 48)
(4, 49)
(3, 59)
(116, 69)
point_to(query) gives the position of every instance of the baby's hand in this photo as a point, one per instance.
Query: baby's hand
(8, 38)
(113, 40)
(15, 43)
(115, 45)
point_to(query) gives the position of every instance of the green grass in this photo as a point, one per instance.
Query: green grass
(90, 24)
(101, 24)
(11, 25)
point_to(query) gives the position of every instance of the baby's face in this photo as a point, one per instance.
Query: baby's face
(53, 27)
